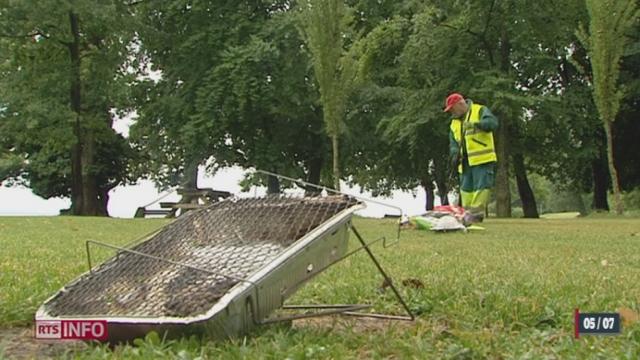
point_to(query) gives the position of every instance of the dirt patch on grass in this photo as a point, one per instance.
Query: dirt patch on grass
(352, 323)
(19, 343)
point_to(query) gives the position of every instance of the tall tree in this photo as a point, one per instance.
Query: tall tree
(437, 57)
(195, 114)
(63, 80)
(325, 25)
(397, 132)
(561, 123)
(610, 22)
(260, 105)
(627, 128)
(236, 89)
(181, 41)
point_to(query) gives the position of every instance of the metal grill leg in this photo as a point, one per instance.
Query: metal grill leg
(348, 309)
(327, 310)
(387, 281)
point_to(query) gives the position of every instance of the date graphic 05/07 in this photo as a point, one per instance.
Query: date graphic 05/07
(596, 323)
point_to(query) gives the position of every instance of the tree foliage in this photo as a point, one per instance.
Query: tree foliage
(325, 25)
(610, 22)
(287, 85)
(62, 81)
(261, 105)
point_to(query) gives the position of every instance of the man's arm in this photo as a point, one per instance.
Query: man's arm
(488, 121)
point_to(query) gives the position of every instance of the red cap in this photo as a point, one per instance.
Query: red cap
(452, 100)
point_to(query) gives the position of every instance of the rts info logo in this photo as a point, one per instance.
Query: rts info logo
(71, 329)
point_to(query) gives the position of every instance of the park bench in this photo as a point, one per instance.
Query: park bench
(207, 195)
(142, 212)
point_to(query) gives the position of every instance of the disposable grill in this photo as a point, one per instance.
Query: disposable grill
(221, 270)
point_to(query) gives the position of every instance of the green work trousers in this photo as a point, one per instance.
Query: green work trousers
(476, 183)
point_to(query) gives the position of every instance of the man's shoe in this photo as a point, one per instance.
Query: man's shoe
(470, 218)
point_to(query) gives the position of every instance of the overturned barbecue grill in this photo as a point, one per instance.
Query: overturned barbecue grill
(220, 270)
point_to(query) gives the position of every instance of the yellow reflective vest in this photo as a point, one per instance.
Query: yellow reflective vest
(479, 144)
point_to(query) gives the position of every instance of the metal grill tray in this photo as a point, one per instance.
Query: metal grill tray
(228, 251)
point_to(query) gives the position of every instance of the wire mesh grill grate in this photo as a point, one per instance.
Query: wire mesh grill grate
(235, 237)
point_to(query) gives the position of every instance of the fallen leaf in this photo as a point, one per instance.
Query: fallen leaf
(604, 262)
(385, 284)
(628, 316)
(413, 283)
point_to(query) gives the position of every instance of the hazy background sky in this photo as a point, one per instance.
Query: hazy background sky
(124, 200)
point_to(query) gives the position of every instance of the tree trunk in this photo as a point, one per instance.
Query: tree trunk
(441, 175)
(612, 169)
(85, 199)
(336, 162)
(427, 184)
(503, 193)
(600, 183)
(443, 192)
(103, 201)
(75, 92)
(273, 185)
(89, 184)
(524, 189)
(316, 158)
(76, 174)
(189, 181)
(190, 175)
(315, 171)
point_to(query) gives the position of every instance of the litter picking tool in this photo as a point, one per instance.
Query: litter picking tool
(220, 271)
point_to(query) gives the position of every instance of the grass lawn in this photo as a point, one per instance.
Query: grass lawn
(507, 292)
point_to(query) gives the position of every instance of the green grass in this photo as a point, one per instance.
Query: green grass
(39, 255)
(507, 292)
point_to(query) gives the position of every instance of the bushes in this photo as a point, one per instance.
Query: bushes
(631, 199)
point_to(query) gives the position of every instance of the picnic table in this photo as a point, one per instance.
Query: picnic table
(191, 199)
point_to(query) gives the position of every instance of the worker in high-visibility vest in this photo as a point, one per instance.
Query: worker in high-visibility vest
(472, 151)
